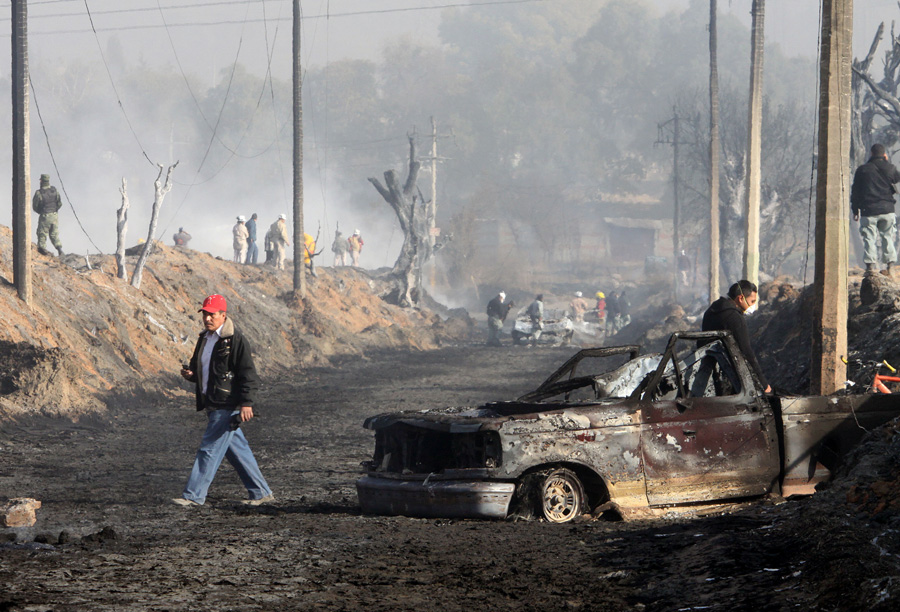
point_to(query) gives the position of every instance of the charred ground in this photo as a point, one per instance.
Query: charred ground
(113, 542)
(106, 538)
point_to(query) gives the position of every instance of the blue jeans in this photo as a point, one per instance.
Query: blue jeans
(252, 252)
(218, 443)
(878, 230)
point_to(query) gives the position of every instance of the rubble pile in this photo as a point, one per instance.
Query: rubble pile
(782, 330)
(869, 481)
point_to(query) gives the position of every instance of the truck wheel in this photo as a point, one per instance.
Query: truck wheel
(561, 496)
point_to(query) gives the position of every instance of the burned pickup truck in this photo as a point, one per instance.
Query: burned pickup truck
(685, 429)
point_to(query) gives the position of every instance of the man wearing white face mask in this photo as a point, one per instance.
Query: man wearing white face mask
(727, 314)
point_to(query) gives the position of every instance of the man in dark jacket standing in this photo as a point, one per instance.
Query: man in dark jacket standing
(727, 314)
(872, 199)
(226, 384)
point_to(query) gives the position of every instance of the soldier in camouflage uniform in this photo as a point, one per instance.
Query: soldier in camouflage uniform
(46, 203)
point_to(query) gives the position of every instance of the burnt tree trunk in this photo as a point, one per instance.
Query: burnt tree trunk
(160, 193)
(864, 105)
(402, 199)
(121, 229)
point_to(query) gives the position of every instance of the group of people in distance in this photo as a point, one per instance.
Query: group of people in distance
(347, 249)
(276, 241)
(246, 251)
(612, 313)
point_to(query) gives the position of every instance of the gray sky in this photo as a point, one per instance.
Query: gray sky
(206, 33)
(794, 24)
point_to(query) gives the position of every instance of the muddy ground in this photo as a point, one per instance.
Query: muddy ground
(107, 537)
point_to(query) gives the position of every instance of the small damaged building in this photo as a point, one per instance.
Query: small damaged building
(606, 233)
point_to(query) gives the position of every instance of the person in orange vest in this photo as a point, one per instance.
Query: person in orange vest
(309, 252)
(601, 308)
(356, 245)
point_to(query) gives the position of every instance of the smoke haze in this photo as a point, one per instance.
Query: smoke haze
(109, 99)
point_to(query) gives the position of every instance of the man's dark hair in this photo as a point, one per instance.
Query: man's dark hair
(878, 150)
(742, 287)
(540, 297)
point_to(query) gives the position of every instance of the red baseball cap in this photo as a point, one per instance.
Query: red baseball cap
(214, 303)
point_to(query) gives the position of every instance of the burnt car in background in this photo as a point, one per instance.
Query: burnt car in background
(686, 429)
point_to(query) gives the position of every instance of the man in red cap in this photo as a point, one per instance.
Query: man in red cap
(226, 384)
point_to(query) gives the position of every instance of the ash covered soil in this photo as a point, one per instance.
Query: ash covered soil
(107, 537)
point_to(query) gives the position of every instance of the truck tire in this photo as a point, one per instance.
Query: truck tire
(560, 495)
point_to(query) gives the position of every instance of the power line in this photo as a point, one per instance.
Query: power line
(137, 10)
(140, 9)
(213, 137)
(62, 185)
(113, 83)
(241, 22)
(231, 150)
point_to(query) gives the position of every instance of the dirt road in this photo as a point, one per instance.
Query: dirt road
(107, 537)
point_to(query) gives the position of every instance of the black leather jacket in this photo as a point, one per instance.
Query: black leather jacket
(233, 381)
(873, 191)
(724, 315)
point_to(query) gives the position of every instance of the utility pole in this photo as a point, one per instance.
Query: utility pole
(432, 206)
(754, 143)
(827, 371)
(21, 170)
(299, 242)
(713, 153)
(675, 141)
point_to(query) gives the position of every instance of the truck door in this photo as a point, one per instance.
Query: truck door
(710, 438)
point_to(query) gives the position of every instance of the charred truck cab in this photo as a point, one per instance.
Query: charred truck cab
(653, 433)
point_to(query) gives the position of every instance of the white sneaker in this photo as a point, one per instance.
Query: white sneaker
(257, 502)
(180, 501)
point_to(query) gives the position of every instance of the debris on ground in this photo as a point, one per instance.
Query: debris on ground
(19, 512)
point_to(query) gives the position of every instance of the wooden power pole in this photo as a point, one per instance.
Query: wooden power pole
(754, 142)
(299, 242)
(432, 206)
(675, 141)
(828, 372)
(714, 147)
(21, 170)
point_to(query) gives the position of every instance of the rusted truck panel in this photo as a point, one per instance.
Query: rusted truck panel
(818, 432)
(688, 428)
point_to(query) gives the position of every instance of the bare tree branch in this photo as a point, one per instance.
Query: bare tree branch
(121, 229)
(160, 193)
